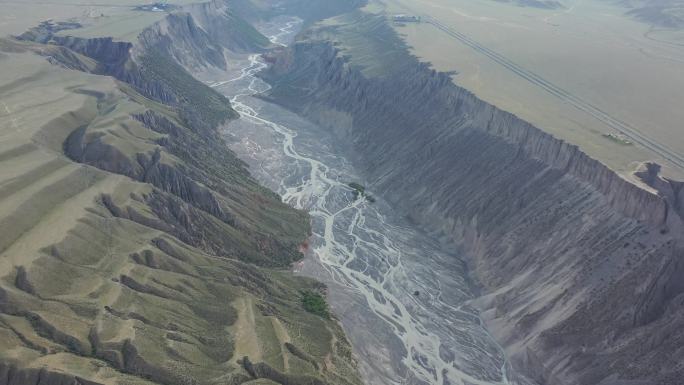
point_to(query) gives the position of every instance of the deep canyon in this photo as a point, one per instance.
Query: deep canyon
(400, 293)
(580, 269)
(458, 243)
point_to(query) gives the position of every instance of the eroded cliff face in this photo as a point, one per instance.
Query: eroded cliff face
(581, 269)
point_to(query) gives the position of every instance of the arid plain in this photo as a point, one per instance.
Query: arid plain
(594, 51)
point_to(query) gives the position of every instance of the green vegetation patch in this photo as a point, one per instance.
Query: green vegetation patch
(245, 29)
(360, 191)
(200, 104)
(358, 187)
(315, 303)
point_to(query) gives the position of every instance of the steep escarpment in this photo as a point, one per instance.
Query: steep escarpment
(579, 266)
(136, 248)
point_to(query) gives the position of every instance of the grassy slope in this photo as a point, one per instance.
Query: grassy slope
(120, 263)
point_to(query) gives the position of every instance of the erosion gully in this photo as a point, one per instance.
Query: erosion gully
(401, 294)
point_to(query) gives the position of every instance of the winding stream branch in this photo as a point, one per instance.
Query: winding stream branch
(408, 280)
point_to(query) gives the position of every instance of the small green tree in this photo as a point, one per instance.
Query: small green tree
(315, 303)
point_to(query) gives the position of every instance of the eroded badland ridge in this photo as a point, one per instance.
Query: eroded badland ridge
(581, 268)
(135, 247)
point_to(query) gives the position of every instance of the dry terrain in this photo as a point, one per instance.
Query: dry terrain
(607, 61)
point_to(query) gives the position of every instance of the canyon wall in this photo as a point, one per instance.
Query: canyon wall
(581, 270)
